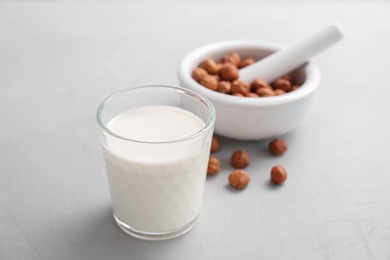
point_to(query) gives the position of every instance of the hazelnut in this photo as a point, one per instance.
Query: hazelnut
(238, 95)
(233, 58)
(287, 77)
(219, 66)
(198, 74)
(245, 62)
(265, 92)
(224, 87)
(214, 166)
(252, 95)
(239, 179)
(210, 66)
(215, 146)
(278, 175)
(282, 84)
(209, 82)
(277, 147)
(217, 77)
(294, 87)
(259, 83)
(240, 159)
(228, 59)
(279, 91)
(236, 57)
(228, 72)
(241, 87)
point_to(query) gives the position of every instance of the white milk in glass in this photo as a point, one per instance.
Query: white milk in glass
(156, 187)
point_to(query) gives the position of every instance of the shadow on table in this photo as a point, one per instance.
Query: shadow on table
(100, 237)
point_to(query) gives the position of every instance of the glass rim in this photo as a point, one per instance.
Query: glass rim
(200, 98)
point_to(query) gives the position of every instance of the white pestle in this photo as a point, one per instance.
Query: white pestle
(287, 59)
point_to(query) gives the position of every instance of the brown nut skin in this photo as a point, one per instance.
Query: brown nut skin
(210, 82)
(228, 59)
(217, 77)
(236, 57)
(219, 66)
(215, 145)
(278, 175)
(277, 146)
(294, 87)
(240, 159)
(233, 58)
(238, 95)
(239, 179)
(228, 72)
(198, 74)
(224, 87)
(252, 95)
(259, 83)
(282, 84)
(241, 87)
(287, 77)
(210, 66)
(279, 92)
(214, 166)
(265, 92)
(245, 62)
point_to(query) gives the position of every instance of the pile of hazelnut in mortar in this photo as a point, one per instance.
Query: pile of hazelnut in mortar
(240, 159)
(223, 77)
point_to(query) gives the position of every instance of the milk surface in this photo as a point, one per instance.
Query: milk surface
(156, 187)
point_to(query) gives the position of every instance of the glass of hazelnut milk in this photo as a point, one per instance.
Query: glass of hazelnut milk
(156, 144)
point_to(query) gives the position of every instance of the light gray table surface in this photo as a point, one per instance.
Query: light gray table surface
(58, 61)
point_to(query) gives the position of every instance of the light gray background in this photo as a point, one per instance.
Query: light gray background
(58, 61)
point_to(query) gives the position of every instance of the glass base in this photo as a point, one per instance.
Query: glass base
(156, 235)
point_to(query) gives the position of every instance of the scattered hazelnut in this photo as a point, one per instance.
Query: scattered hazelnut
(265, 92)
(209, 82)
(228, 72)
(214, 166)
(224, 87)
(282, 84)
(277, 147)
(245, 62)
(215, 146)
(198, 74)
(240, 159)
(259, 83)
(210, 66)
(239, 179)
(279, 91)
(278, 175)
(241, 87)
(238, 95)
